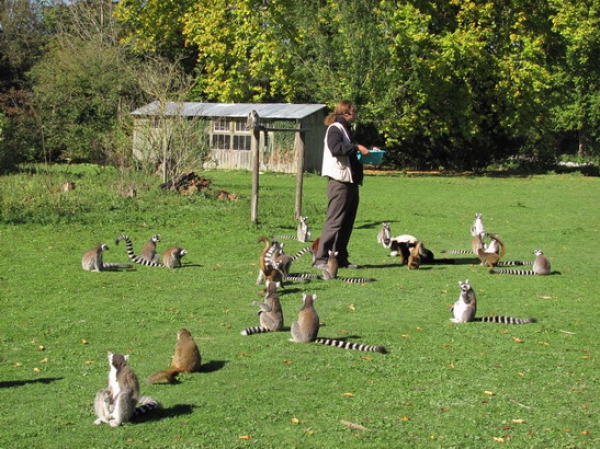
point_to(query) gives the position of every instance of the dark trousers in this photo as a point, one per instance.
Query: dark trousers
(339, 222)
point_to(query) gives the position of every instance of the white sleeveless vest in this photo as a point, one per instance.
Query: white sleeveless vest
(337, 168)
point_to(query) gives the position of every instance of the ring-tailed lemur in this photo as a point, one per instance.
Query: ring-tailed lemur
(478, 226)
(117, 403)
(465, 308)
(171, 257)
(541, 266)
(384, 236)
(270, 314)
(92, 260)
(305, 330)
(149, 249)
(302, 232)
(330, 271)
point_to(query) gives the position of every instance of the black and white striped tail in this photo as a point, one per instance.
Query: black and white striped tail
(505, 320)
(301, 277)
(512, 271)
(255, 330)
(285, 237)
(115, 266)
(456, 251)
(302, 252)
(349, 345)
(515, 262)
(354, 280)
(146, 404)
(133, 257)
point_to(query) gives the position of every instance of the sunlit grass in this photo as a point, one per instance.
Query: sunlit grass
(441, 385)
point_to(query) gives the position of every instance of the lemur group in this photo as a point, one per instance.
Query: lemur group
(121, 401)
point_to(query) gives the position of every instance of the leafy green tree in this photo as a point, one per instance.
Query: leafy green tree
(81, 82)
(577, 74)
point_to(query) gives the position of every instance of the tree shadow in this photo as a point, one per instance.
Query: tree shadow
(20, 383)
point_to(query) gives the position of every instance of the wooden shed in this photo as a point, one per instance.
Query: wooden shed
(229, 140)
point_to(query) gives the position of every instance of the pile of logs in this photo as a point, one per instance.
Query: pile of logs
(189, 183)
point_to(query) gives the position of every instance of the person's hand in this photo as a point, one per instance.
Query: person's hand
(363, 150)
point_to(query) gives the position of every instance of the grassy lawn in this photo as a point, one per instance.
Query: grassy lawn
(440, 385)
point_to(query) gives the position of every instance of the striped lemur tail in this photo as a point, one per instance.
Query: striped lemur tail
(145, 404)
(505, 320)
(512, 271)
(134, 257)
(349, 345)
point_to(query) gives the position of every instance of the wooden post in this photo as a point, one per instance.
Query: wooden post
(254, 150)
(299, 143)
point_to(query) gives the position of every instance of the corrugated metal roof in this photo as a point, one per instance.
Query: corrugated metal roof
(267, 110)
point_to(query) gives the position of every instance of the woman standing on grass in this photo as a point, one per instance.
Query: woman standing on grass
(345, 173)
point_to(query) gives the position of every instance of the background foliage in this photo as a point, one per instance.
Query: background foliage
(453, 85)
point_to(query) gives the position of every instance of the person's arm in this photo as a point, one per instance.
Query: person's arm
(335, 142)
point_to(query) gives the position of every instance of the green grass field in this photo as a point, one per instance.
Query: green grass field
(440, 385)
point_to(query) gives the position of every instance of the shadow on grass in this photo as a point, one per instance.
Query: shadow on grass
(212, 366)
(20, 383)
(169, 412)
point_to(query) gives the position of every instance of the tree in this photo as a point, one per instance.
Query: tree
(81, 83)
(578, 73)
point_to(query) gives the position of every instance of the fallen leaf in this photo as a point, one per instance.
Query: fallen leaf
(419, 328)
(521, 373)
(499, 440)
(503, 331)
(245, 437)
(351, 307)
(41, 348)
(451, 365)
(353, 425)
(44, 360)
(405, 418)
(17, 364)
(295, 421)
(518, 340)
(89, 362)
(83, 341)
(288, 362)
(343, 331)
(585, 432)
(543, 343)
(367, 358)
(405, 335)
(37, 370)
(444, 409)
(518, 421)
(490, 393)
(350, 395)
(586, 357)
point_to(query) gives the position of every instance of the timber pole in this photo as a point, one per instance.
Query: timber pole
(254, 150)
(299, 142)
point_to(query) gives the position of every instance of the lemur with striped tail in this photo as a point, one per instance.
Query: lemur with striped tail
(541, 267)
(465, 308)
(302, 233)
(92, 260)
(330, 271)
(270, 314)
(149, 249)
(171, 257)
(306, 329)
(121, 401)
